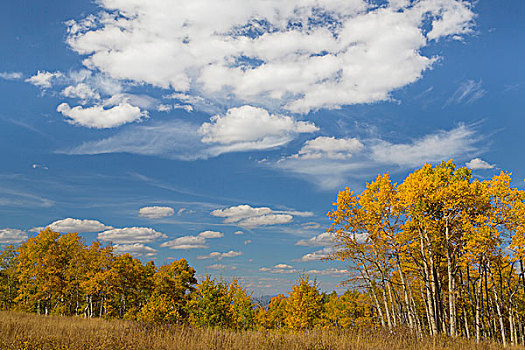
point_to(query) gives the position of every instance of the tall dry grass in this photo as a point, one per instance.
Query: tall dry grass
(26, 331)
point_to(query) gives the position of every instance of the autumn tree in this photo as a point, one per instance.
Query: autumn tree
(173, 284)
(8, 281)
(304, 305)
(441, 251)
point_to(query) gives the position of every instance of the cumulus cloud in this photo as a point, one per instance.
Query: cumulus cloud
(99, 117)
(300, 55)
(12, 236)
(330, 148)
(330, 271)
(78, 225)
(238, 233)
(130, 235)
(155, 212)
(81, 91)
(211, 234)
(251, 128)
(222, 267)
(138, 249)
(478, 163)
(319, 254)
(279, 268)
(220, 256)
(322, 240)
(44, 79)
(11, 75)
(247, 216)
(186, 242)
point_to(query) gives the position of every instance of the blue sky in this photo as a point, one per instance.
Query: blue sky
(222, 132)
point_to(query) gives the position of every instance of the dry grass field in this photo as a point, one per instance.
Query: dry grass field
(26, 331)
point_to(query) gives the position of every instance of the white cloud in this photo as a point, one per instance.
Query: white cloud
(441, 145)
(319, 254)
(330, 271)
(11, 75)
(339, 52)
(44, 79)
(211, 234)
(12, 236)
(379, 155)
(81, 91)
(174, 139)
(279, 268)
(99, 117)
(130, 235)
(329, 147)
(248, 241)
(138, 249)
(220, 256)
(155, 212)
(186, 242)
(39, 166)
(478, 163)
(238, 233)
(322, 240)
(222, 267)
(247, 216)
(37, 229)
(184, 211)
(78, 225)
(251, 128)
(240, 212)
(164, 108)
(469, 91)
(266, 220)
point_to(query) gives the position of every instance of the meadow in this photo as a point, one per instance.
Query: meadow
(31, 332)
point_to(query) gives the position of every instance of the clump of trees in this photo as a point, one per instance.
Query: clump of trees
(55, 273)
(441, 253)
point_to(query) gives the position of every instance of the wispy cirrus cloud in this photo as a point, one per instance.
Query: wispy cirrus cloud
(468, 92)
(377, 155)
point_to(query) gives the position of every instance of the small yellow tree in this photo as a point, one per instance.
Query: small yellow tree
(304, 305)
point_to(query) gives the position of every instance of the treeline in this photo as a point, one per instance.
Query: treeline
(58, 274)
(441, 252)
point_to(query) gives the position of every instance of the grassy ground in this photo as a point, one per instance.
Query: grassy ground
(26, 331)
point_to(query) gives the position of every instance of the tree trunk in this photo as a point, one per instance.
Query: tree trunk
(451, 286)
(428, 282)
(498, 309)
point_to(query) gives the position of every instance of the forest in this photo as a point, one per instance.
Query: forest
(440, 254)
